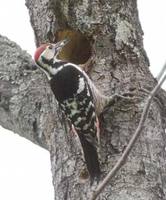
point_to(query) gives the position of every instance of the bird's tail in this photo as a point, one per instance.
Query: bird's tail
(91, 158)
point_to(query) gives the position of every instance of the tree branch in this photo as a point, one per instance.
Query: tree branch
(132, 141)
(161, 72)
(25, 96)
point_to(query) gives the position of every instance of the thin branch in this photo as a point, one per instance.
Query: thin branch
(161, 72)
(132, 141)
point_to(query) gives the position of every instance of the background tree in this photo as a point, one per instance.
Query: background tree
(111, 32)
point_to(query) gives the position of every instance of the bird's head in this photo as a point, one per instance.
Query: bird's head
(47, 54)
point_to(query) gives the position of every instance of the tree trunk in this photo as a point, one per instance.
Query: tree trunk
(109, 31)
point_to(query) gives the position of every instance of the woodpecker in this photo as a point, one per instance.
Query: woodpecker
(78, 98)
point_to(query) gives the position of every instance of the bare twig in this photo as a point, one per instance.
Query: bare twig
(132, 141)
(161, 72)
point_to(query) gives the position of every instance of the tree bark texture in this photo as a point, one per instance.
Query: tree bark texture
(28, 107)
(24, 95)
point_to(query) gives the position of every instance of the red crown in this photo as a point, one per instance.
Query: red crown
(39, 51)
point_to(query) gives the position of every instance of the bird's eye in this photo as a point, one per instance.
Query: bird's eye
(50, 47)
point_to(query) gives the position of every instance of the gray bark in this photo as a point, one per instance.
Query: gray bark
(121, 65)
(24, 95)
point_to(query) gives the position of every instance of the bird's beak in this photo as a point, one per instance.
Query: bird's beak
(59, 45)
